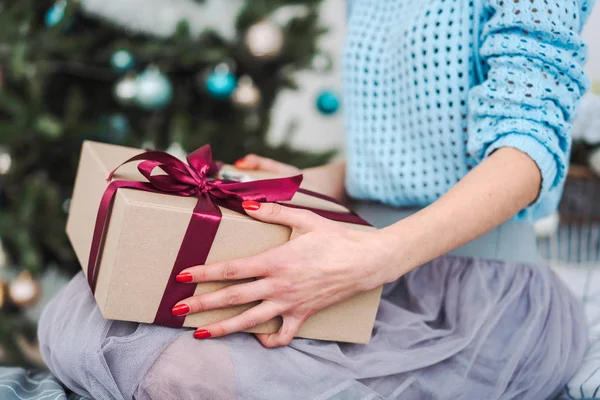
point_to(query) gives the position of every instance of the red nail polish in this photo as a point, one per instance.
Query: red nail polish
(180, 309)
(202, 334)
(239, 163)
(184, 277)
(251, 205)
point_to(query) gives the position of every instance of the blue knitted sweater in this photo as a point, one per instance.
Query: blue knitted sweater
(432, 87)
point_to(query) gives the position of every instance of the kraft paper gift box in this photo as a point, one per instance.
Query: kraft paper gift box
(143, 236)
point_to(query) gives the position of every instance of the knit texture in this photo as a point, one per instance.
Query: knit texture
(432, 87)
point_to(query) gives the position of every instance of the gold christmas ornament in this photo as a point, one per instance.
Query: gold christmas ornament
(24, 291)
(246, 95)
(264, 39)
(3, 294)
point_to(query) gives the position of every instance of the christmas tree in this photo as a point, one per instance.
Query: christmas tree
(165, 74)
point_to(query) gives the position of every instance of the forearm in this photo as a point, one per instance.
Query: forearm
(490, 194)
(328, 179)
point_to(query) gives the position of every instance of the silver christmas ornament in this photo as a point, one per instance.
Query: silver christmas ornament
(3, 257)
(126, 90)
(154, 90)
(176, 150)
(264, 39)
(66, 205)
(5, 160)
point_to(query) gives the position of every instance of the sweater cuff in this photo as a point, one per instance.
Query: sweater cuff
(539, 153)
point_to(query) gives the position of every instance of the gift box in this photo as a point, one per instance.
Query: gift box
(131, 242)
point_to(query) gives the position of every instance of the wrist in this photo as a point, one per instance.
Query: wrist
(406, 248)
(328, 179)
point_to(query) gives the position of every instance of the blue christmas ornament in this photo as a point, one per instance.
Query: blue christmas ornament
(328, 102)
(221, 83)
(56, 13)
(119, 126)
(114, 128)
(122, 60)
(153, 89)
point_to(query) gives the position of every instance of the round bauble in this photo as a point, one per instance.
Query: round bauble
(3, 294)
(264, 39)
(119, 127)
(327, 102)
(122, 60)
(56, 13)
(322, 63)
(125, 90)
(5, 160)
(221, 83)
(66, 206)
(24, 290)
(153, 89)
(246, 95)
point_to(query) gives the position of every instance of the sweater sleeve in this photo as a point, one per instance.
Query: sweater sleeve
(532, 58)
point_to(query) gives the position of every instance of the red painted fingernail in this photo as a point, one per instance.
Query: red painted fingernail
(240, 162)
(202, 334)
(251, 205)
(180, 309)
(184, 277)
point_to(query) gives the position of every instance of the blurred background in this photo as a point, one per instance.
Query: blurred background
(245, 76)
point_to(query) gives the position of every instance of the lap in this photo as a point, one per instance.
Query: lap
(454, 327)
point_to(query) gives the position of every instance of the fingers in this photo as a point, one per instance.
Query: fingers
(288, 330)
(227, 297)
(231, 270)
(254, 162)
(247, 320)
(278, 214)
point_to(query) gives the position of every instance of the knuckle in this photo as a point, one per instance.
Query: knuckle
(232, 297)
(305, 213)
(250, 323)
(271, 270)
(269, 343)
(230, 271)
(282, 339)
(275, 210)
(200, 305)
(218, 331)
(285, 340)
(201, 274)
(283, 288)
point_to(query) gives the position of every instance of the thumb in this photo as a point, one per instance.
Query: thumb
(254, 162)
(284, 337)
(277, 214)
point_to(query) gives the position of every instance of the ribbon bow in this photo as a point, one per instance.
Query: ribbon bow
(190, 180)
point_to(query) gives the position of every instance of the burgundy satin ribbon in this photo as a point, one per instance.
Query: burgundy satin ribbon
(192, 180)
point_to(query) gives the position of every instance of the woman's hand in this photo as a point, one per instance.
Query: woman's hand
(328, 179)
(257, 163)
(324, 263)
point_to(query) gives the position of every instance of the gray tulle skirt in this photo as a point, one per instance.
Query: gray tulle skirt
(486, 322)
